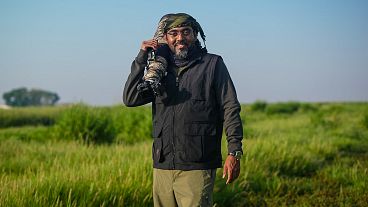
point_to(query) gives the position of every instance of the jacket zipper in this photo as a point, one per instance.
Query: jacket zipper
(172, 141)
(177, 80)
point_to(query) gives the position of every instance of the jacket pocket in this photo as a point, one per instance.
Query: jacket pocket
(200, 128)
(198, 98)
(197, 105)
(198, 137)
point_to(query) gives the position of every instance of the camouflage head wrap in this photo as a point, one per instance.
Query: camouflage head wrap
(170, 21)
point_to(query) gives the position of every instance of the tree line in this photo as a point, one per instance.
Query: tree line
(34, 97)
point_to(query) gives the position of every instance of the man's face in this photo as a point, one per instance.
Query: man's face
(180, 39)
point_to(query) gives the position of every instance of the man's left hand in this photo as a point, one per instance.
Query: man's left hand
(231, 169)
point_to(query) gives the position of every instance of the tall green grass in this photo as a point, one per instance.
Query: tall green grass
(27, 133)
(132, 125)
(89, 125)
(313, 157)
(74, 174)
(29, 116)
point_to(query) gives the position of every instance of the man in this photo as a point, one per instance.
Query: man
(197, 102)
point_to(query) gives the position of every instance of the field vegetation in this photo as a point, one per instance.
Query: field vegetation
(296, 154)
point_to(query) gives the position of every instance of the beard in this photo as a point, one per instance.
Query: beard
(182, 53)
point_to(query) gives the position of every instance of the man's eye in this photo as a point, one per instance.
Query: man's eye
(186, 32)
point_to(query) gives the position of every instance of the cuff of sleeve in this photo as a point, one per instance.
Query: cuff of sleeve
(142, 57)
(234, 147)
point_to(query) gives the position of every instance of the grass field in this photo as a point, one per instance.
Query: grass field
(296, 154)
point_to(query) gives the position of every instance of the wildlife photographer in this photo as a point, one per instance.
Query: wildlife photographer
(193, 99)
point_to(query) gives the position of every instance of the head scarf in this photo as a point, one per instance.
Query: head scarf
(157, 64)
(170, 21)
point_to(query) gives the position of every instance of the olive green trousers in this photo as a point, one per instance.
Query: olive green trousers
(183, 188)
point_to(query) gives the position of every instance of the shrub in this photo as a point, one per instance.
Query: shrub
(307, 107)
(258, 106)
(282, 108)
(132, 125)
(91, 125)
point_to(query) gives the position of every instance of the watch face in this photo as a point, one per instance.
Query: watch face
(238, 154)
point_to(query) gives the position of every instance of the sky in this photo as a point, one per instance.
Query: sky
(276, 51)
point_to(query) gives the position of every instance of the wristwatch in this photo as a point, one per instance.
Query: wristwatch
(236, 154)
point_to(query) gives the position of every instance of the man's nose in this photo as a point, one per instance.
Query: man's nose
(180, 36)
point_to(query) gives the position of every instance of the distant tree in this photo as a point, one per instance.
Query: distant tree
(33, 97)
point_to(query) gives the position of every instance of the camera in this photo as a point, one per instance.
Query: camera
(156, 69)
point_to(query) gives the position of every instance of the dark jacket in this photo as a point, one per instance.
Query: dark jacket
(188, 119)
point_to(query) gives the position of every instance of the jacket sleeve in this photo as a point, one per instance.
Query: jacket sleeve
(131, 96)
(229, 106)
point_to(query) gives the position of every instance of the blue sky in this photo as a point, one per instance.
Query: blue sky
(283, 50)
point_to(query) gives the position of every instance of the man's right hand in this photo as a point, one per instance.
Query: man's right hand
(152, 43)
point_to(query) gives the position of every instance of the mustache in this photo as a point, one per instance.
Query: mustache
(182, 42)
